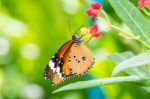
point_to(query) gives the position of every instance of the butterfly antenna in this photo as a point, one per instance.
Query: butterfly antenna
(69, 27)
(78, 30)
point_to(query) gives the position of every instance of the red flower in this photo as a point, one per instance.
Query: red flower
(94, 30)
(147, 3)
(96, 35)
(143, 3)
(92, 12)
(96, 5)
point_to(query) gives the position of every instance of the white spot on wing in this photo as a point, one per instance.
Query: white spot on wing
(58, 71)
(51, 65)
(60, 75)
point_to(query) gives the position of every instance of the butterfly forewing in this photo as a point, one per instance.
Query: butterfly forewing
(80, 59)
(65, 68)
(64, 48)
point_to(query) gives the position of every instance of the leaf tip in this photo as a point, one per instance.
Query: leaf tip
(55, 91)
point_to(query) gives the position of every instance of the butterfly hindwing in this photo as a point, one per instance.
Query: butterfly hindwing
(54, 69)
(56, 79)
(48, 73)
(50, 68)
(80, 59)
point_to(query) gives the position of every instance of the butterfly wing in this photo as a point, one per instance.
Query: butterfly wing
(80, 59)
(69, 60)
(53, 70)
(65, 68)
(64, 48)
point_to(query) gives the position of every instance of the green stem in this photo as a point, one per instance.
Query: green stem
(148, 46)
(133, 37)
(119, 29)
(128, 33)
(106, 16)
(143, 46)
(146, 12)
(125, 36)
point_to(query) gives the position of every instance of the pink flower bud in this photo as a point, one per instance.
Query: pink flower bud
(94, 28)
(143, 3)
(96, 5)
(92, 12)
(94, 31)
(147, 3)
(97, 34)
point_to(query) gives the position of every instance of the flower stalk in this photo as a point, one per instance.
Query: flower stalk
(146, 12)
(126, 34)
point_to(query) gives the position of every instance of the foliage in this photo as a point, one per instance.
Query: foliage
(138, 25)
(32, 31)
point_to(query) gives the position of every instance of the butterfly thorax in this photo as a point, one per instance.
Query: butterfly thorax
(76, 40)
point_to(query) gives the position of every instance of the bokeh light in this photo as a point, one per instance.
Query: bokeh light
(12, 26)
(32, 91)
(4, 46)
(30, 51)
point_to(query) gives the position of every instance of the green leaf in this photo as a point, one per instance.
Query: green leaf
(147, 89)
(119, 57)
(132, 17)
(135, 61)
(104, 81)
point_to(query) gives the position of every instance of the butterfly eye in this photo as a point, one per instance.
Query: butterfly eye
(74, 56)
(83, 58)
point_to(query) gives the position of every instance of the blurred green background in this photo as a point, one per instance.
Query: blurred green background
(31, 31)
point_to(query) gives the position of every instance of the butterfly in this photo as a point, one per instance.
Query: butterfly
(72, 59)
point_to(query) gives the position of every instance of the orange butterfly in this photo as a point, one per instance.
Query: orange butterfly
(73, 58)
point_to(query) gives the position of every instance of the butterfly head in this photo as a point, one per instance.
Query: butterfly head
(76, 40)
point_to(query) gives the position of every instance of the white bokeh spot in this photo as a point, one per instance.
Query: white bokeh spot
(12, 26)
(4, 46)
(30, 51)
(32, 91)
(71, 6)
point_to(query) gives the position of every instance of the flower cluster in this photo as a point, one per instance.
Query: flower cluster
(93, 10)
(143, 3)
(92, 31)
